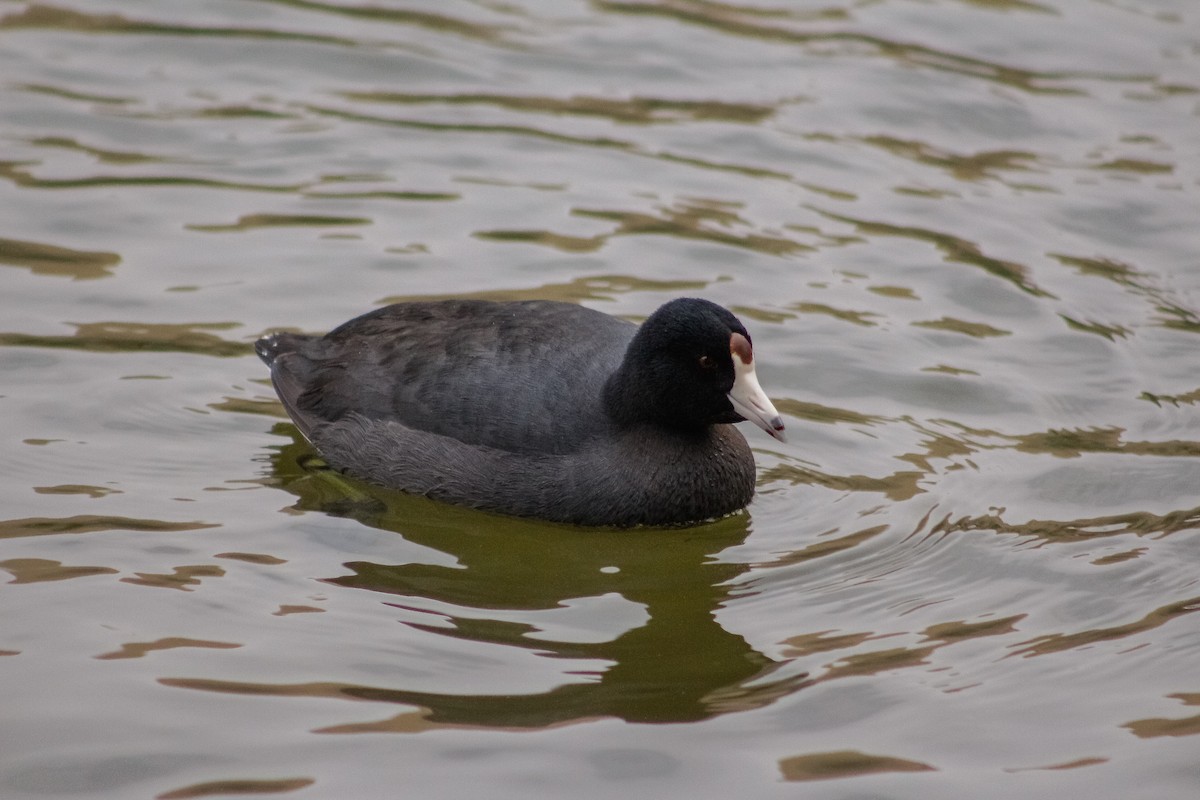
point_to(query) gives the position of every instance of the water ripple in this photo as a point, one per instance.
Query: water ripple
(966, 253)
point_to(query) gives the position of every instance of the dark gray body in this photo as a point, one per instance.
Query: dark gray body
(500, 406)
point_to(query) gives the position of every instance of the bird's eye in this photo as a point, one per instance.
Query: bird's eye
(707, 362)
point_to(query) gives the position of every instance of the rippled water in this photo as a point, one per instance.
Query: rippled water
(963, 232)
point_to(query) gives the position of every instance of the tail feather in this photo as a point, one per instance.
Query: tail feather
(270, 347)
(283, 353)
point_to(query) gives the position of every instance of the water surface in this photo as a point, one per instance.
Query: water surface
(963, 233)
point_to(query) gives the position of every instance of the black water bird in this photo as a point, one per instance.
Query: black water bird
(535, 408)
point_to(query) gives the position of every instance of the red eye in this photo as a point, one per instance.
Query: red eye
(707, 362)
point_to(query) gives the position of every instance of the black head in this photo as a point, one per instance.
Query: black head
(679, 369)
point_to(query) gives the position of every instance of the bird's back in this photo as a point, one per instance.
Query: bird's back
(522, 377)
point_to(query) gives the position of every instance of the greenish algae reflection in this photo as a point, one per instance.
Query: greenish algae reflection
(47, 17)
(844, 764)
(1181, 726)
(693, 221)
(1110, 332)
(132, 337)
(40, 570)
(248, 222)
(71, 94)
(601, 142)
(1075, 764)
(15, 172)
(954, 250)
(91, 523)
(1138, 523)
(141, 649)
(977, 330)
(680, 665)
(558, 241)
(686, 221)
(77, 489)
(181, 578)
(633, 110)
(105, 156)
(734, 20)
(1058, 642)
(376, 12)
(860, 318)
(236, 786)
(577, 290)
(1141, 283)
(1186, 398)
(898, 486)
(49, 259)
(963, 167)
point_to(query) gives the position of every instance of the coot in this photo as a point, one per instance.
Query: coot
(535, 408)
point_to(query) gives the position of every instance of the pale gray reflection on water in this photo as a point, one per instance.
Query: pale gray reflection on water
(963, 235)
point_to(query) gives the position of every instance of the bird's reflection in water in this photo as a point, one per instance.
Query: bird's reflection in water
(680, 665)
